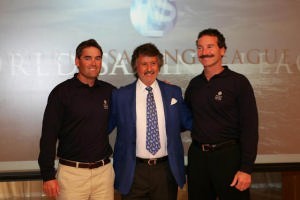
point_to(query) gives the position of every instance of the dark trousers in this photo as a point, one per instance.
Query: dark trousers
(211, 173)
(154, 182)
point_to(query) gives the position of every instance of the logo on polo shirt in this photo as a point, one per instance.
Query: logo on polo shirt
(219, 96)
(105, 104)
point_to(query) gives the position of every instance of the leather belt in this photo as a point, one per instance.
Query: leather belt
(214, 147)
(90, 165)
(152, 161)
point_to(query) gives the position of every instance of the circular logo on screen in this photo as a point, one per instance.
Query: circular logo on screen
(153, 18)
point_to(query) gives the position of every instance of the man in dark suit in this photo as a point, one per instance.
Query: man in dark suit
(148, 153)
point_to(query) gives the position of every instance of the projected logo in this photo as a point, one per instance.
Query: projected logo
(153, 18)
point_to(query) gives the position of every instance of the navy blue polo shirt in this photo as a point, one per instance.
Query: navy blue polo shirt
(224, 108)
(76, 116)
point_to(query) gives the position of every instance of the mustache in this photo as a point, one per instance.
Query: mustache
(206, 56)
(149, 72)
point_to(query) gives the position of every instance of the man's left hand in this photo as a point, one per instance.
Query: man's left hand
(241, 181)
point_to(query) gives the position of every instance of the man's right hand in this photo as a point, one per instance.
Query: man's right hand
(51, 188)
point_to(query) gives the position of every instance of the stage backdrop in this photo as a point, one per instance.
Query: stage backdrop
(38, 39)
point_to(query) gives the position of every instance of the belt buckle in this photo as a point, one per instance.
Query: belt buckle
(205, 147)
(152, 161)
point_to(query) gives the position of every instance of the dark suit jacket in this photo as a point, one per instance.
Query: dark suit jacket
(123, 116)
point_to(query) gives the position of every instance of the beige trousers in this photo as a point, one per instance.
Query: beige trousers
(86, 184)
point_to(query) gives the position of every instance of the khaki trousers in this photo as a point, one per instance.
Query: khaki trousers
(86, 184)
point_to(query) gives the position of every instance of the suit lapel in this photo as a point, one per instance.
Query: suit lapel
(132, 99)
(165, 97)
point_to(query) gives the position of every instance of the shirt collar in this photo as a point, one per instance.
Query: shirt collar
(141, 86)
(81, 84)
(222, 74)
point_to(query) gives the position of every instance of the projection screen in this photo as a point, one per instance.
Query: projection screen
(38, 40)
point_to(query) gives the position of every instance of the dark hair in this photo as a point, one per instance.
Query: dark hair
(213, 32)
(85, 44)
(147, 49)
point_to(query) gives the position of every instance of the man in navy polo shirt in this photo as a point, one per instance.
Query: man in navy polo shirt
(77, 116)
(225, 127)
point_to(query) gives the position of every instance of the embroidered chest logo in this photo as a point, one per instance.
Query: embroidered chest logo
(105, 105)
(219, 96)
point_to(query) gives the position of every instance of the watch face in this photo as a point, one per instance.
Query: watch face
(153, 18)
